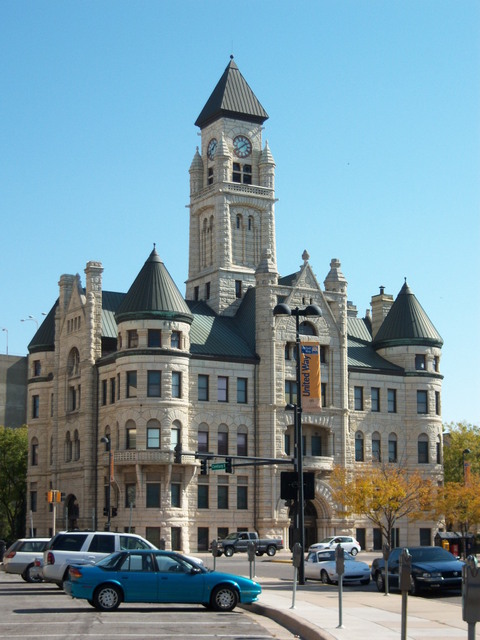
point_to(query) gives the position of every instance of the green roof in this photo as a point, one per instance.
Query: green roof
(361, 354)
(232, 98)
(153, 294)
(407, 324)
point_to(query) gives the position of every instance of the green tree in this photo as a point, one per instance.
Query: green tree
(13, 481)
(457, 438)
(383, 494)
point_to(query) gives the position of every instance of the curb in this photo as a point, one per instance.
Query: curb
(298, 626)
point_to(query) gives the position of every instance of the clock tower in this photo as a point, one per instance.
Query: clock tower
(232, 196)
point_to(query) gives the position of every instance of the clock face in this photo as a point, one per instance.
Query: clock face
(212, 147)
(242, 147)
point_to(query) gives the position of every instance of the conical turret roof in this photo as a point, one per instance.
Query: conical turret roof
(232, 98)
(153, 294)
(407, 324)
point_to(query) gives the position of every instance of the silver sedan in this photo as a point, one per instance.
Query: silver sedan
(321, 565)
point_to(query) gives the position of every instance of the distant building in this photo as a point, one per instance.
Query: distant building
(13, 391)
(153, 371)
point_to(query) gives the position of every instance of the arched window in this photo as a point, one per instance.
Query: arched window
(242, 441)
(73, 362)
(423, 449)
(307, 329)
(392, 448)
(359, 447)
(175, 434)
(34, 452)
(68, 447)
(76, 446)
(153, 434)
(239, 221)
(376, 447)
(130, 435)
(202, 442)
(222, 440)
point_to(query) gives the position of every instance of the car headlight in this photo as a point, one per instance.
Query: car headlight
(435, 574)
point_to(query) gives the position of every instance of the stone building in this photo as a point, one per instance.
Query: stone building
(150, 371)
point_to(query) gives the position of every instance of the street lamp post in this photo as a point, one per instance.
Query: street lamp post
(108, 510)
(312, 310)
(32, 318)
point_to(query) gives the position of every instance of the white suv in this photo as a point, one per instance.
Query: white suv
(84, 547)
(347, 542)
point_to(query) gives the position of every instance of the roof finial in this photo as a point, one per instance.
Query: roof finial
(154, 246)
(231, 56)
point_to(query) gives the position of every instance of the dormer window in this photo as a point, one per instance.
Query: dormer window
(242, 173)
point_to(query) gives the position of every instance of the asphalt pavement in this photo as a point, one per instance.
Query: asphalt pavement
(365, 615)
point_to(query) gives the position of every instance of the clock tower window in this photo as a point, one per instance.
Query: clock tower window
(242, 173)
(210, 175)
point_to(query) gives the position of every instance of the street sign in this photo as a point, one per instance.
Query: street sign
(217, 466)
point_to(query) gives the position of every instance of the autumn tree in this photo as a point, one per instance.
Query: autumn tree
(384, 494)
(13, 479)
(458, 438)
(459, 504)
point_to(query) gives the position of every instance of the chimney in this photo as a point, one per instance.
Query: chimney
(381, 305)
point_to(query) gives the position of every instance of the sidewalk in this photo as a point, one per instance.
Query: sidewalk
(365, 615)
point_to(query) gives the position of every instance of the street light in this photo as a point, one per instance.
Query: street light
(106, 441)
(6, 331)
(283, 310)
(32, 318)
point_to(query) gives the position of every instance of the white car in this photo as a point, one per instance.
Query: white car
(20, 556)
(322, 565)
(348, 543)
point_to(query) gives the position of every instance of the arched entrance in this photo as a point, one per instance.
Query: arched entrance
(310, 521)
(71, 512)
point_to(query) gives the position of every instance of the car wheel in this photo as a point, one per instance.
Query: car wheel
(354, 551)
(366, 581)
(224, 598)
(271, 550)
(380, 581)
(259, 553)
(228, 552)
(107, 597)
(26, 575)
(324, 577)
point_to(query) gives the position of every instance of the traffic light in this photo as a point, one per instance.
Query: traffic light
(105, 512)
(203, 467)
(49, 496)
(178, 454)
(114, 512)
(228, 465)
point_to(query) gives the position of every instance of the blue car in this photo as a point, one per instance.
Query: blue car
(149, 575)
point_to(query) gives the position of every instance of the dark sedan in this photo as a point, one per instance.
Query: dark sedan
(432, 568)
(148, 575)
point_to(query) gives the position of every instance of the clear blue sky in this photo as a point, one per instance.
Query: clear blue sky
(374, 126)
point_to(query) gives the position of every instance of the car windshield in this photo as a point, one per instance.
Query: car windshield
(231, 536)
(327, 540)
(431, 554)
(110, 562)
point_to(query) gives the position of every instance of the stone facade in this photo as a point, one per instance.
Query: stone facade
(154, 373)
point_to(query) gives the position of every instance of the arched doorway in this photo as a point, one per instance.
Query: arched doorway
(310, 521)
(72, 512)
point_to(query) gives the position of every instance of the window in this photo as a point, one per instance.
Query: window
(34, 452)
(287, 441)
(290, 392)
(202, 539)
(73, 398)
(153, 495)
(359, 449)
(33, 501)
(73, 362)
(175, 434)
(112, 390)
(207, 291)
(76, 445)
(420, 363)
(242, 390)
(153, 437)
(176, 384)
(37, 368)
(392, 447)
(210, 175)
(242, 497)
(131, 384)
(323, 389)
(202, 441)
(154, 379)
(439, 450)
(436, 363)
(242, 444)
(222, 443)
(202, 387)
(132, 338)
(242, 173)
(238, 288)
(35, 406)
(104, 392)
(202, 496)
(154, 338)
(175, 494)
(392, 400)
(376, 447)
(118, 386)
(375, 398)
(425, 537)
(222, 496)
(438, 408)
(196, 293)
(175, 340)
(68, 447)
(422, 401)
(222, 389)
(131, 442)
(130, 495)
(423, 449)
(323, 354)
(176, 537)
(316, 445)
(358, 398)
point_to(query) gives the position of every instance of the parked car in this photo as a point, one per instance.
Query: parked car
(157, 576)
(321, 565)
(238, 541)
(84, 547)
(20, 556)
(432, 568)
(348, 543)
